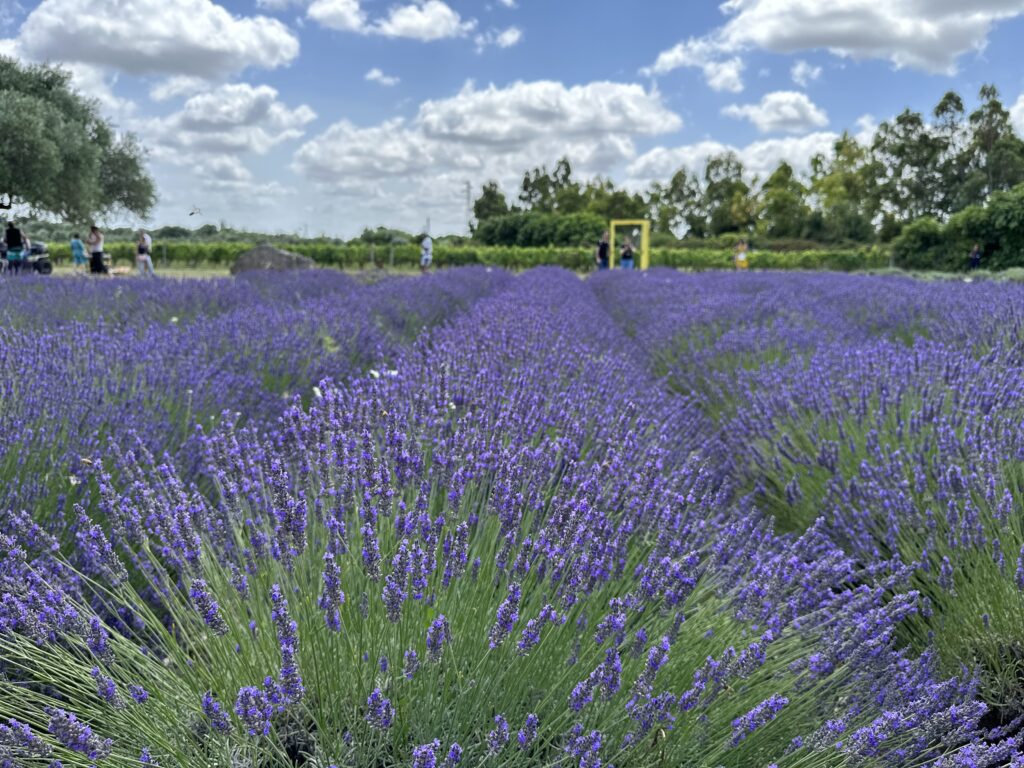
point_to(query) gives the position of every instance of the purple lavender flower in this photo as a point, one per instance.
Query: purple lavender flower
(139, 694)
(331, 598)
(371, 552)
(393, 596)
(499, 737)
(76, 735)
(379, 712)
(106, 689)
(759, 716)
(528, 732)
(288, 641)
(18, 740)
(254, 710)
(207, 607)
(507, 615)
(454, 756)
(425, 756)
(411, 665)
(438, 634)
(215, 714)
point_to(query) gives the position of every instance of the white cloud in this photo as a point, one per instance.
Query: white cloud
(375, 75)
(509, 37)
(722, 72)
(408, 168)
(1017, 115)
(179, 85)
(235, 118)
(10, 12)
(759, 158)
(277, 5)
(426, 20)
(503, 39)
(423, 20)
(509, 3)
(803, 73)
(787, 111)
(527, 111)
(343, 15)
(187, 37)
(930, 35)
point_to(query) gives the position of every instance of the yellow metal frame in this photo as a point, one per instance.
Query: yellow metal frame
(645, 240)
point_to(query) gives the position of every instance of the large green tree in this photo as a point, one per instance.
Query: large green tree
(58, 155)
(783, 209)
(491, 203)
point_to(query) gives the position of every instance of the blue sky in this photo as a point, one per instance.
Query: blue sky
(331, 115)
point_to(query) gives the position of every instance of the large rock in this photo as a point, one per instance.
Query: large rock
(268, 257)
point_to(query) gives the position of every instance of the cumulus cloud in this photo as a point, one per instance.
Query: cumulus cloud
(524, 112)
(503, 39)
(342, 15)
(480, 134)
(426, 20)
(929, 35)
(229, 119)
(803, 73)
(185, 37)
(785, 111)
(759, 158)
(179, 85)
(375, 75)
(423, 20)
(722, 72)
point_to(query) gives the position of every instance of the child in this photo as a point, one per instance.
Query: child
(740, 256)
(78, 253)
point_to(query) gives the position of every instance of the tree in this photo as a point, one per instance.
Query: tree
(678, 205)
(994, 158)
(58, 155)
(490, 204)
(783, 209)
(727, 199)
(549, 192)
(905, 163)
(843, 190)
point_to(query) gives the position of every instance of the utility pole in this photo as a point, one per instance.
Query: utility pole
(469, 208)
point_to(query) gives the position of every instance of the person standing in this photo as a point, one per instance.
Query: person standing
(975, 256)
(14, 239)
(603, 252)
(426, 254)
(626, 254)
(78, 252)
(95, 243)
(740, 257)
(144, 256)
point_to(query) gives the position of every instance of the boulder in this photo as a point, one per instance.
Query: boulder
(268, 257)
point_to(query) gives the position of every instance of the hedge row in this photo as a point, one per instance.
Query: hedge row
(363, 256)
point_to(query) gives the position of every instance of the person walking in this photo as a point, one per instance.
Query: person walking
(426, 254)
(144, 255)
(15, 241)
(975, 256)
(603, 252)
(78, 253)
(95, 243)
(626, 255)
(740, 257)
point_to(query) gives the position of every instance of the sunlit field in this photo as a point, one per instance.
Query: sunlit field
(483, 519)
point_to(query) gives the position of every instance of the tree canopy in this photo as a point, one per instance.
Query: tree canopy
(59, 155)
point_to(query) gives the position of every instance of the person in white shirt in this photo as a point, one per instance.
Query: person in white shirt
(144, 257)
(95, 242)
(426, 253)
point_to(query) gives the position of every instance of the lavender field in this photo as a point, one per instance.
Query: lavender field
(477, 519)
